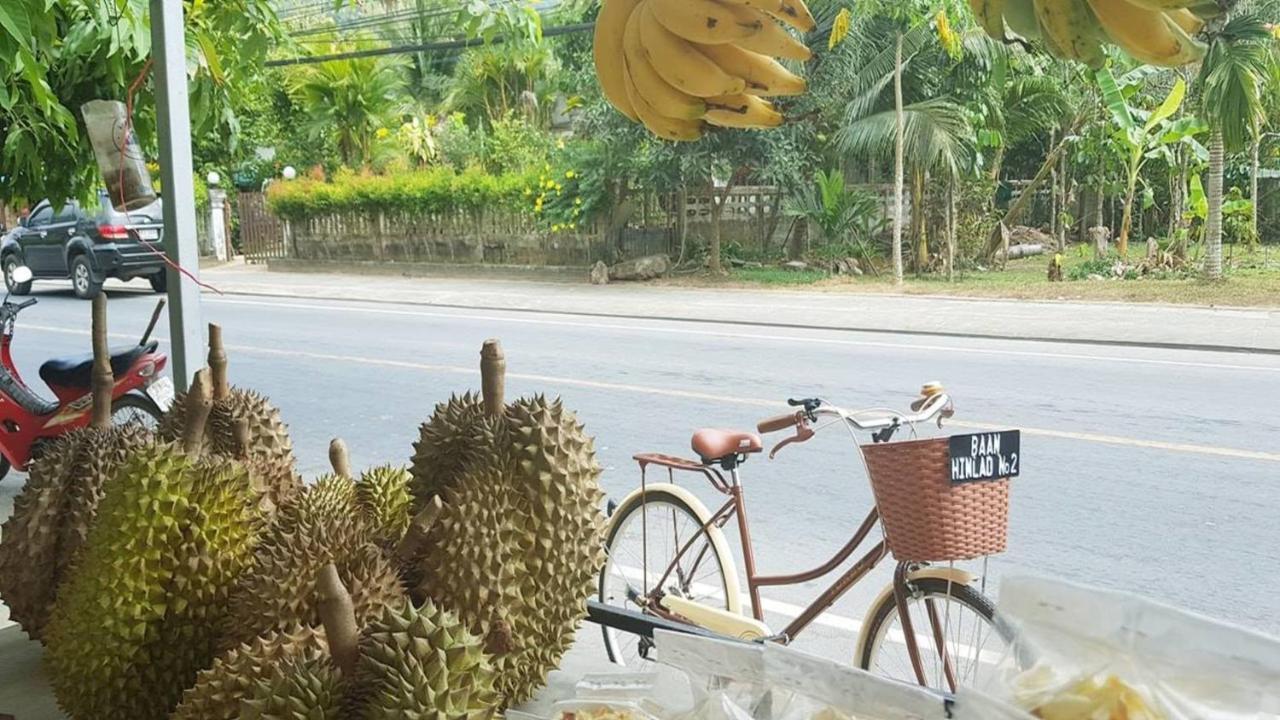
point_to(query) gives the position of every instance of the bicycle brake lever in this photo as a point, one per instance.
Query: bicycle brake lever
(803, 433)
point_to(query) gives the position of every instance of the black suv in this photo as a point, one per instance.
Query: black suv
(87, 246)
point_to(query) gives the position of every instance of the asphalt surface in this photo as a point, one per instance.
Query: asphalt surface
(1147, 470)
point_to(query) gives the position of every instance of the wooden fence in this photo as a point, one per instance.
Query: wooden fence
(261, 233)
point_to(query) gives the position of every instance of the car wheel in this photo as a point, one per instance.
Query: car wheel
(10, 264)
(159, 281)
(86, 288)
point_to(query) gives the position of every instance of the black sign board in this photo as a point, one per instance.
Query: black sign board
(985, 456)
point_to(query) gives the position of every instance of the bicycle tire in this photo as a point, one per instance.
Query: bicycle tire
(938, 588)
(654, 497)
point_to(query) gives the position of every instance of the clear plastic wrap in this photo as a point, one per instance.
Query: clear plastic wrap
(1085, 653)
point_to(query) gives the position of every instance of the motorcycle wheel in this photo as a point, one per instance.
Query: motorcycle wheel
(136, 407)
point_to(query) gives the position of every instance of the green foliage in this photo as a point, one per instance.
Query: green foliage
(838, 212)
(1093, 266)
(516, 146)
(435, 190)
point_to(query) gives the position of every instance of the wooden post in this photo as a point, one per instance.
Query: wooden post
(339, 458)
(493, 370)
(199, 403)
(218, 363)
(102, 381)
(338, 615)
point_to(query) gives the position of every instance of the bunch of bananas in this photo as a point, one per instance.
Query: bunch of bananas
(1156, 32)
(680, 65)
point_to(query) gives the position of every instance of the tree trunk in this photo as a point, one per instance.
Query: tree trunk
(1054, 178)
(997, 164)
(1122, 242)
(919, 221)
(951, 230)
(1254, 237)
(717, 211)
(898, 162)
(1064, 198)
(1020, 205)
(682, 221)
(1213, 224)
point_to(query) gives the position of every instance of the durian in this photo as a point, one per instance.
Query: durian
(136, 621)
(383, 499)
(517, 546)
(268, 435)
(297, 690)
(422, 662)
(52, 514)
(322, 525)
(220, 690)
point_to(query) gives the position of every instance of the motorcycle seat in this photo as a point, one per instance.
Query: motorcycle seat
(76, 371)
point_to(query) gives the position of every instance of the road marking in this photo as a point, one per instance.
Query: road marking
(700, 332)
(1188, 448)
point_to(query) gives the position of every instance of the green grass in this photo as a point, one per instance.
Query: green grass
(1253, 279)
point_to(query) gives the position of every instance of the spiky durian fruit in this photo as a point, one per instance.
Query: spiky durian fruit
(219, 691)
(298, 690)
(447, 443)
(321, 526)
(518, 544)
(52, 514)
(383, 498)
(136, 621)
(268, 435)
(422, 662)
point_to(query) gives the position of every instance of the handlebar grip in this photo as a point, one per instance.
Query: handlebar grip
(27, 304)
(776, 423)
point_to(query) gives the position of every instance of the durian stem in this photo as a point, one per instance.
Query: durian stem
(339, 458)
(493, 371)
(499, 641)
(199, 403)
(338, 615)
(218, 363)
(102, 381)
(240, 431)
(415, 538)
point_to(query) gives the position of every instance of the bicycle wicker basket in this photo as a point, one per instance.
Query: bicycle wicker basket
(925, 517)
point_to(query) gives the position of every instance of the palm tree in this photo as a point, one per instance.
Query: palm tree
(350, 100)
(1231, 79)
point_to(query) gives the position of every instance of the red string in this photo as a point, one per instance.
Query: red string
(124, 143)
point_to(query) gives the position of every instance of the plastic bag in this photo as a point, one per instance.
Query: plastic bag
(1088, 653)
(115, 146)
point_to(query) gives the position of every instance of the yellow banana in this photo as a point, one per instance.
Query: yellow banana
(1150, 36)
(1187, 20)
(657, 93)
(1168, 4)
(1020, 16)
(1070, 30)
(774, 40)
(607, 50)
(706, 21)
(679, 63)
(657, 123)
(990, 15)
(764, 75)
(742, 111)
(791, 12)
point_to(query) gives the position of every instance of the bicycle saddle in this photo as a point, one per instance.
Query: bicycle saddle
(714, 445)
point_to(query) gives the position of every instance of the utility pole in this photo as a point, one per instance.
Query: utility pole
(168, 47)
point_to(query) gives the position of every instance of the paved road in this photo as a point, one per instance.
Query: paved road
(1148, 470)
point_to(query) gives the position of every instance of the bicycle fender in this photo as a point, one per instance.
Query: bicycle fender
(954, 575)
(716, 535)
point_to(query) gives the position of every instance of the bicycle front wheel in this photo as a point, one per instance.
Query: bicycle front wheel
(958, 637)
(646, 534)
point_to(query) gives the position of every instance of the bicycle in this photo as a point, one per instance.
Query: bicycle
(686, 573)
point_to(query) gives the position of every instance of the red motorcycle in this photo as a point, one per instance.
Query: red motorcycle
(28, 421)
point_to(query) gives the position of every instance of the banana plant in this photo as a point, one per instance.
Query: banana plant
(1139, 138)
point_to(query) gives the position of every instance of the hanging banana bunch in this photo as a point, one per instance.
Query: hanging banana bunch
(678, 66)
(1156, 32)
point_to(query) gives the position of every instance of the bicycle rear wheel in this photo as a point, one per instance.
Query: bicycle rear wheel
(645, 535)
(974, 638)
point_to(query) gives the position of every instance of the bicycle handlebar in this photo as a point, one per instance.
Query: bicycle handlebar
(933, 403)
(778, 422)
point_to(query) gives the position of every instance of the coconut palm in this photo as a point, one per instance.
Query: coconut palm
(1231, 80)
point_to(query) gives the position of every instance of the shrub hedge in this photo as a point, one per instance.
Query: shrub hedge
(434, 190)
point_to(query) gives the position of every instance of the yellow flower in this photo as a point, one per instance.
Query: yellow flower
(570, 174)
(560, 144)
(382, 133)
(573, 226)
(528, 192)
(546, 167)
(946, 36)
(840, 28)
(550, 184)
(577, 201)
(559, 187)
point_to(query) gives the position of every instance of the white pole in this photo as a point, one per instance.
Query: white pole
(186, 333)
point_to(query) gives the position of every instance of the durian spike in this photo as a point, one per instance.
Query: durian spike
(338, 615)
(102, 382)
(240, 431)
(199, 403)
(415, 538)
(218, 363)
(493, 371)
(339, 458)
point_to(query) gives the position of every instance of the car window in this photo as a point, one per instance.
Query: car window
(41, 216)
(69, 213)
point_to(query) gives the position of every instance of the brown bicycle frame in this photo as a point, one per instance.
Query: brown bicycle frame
(735, 509)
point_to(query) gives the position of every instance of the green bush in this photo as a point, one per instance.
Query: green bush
(435, 190)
